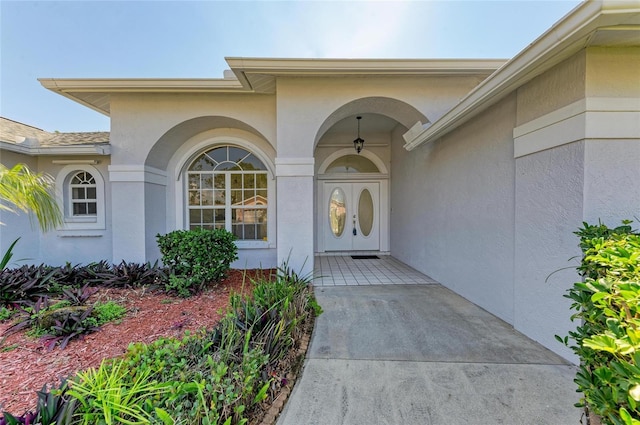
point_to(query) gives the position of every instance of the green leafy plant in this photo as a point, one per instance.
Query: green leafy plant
(70, 326)
(196, 257)
(607, 306)
(108, 395)
(8, 255)
(108, 312)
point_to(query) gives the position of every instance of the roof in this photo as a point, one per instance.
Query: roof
(592, 23)
(258, 75)
(18, 137)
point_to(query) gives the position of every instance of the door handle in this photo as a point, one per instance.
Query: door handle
(355, 232)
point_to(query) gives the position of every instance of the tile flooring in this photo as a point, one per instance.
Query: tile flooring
(334, 270)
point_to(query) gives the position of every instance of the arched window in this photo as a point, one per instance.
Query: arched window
(227, 189)
(83, 198)
(82, 192)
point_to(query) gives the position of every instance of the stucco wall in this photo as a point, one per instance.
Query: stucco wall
(139, 121)
(549, 205)
(613, 72)
(452, 211)
(560, 86)
(78, 246)
(18, 225)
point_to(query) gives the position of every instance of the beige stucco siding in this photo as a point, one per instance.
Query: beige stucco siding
(613, 72)
(139, 121)
(452, 211)
(560, 86)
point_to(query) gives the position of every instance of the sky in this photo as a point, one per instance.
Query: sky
(190, 39)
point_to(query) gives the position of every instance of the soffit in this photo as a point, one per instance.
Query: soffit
(608, 23)
(258, 75)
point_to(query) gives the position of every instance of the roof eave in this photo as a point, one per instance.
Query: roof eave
(95, 149)
(564, 39)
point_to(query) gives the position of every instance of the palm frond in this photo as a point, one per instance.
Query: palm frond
(30, 192)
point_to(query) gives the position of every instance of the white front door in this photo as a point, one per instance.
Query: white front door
(351, 216)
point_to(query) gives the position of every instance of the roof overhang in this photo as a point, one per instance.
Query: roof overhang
(258, 75)
(592, 23)
(97, 149)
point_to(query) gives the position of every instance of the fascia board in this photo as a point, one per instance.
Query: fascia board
(329, 67)
(57, 150)
(559, 42)
(68, 87)
(103, 85)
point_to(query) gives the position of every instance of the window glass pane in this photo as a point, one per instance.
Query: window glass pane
(219, 215)
(219, 196)
(203, 163)
(91, 193)
(249, 197)
(219, 181)
(252, 163)
(261, 228)
(207, 216)
(236, 154)
(206, 197)
(79, 209)
(92, 208)
(237, 231)
(218, 154)
(227, 166)
(194, 181)
(194, 197)
(78, 193)
(337, 212)
(195, 216)
(249, 181)
(352, 164)
(206, 181)
(249, 231)
(236, 197)
(261, 181)
(262, 195)
(236, 181)
(365, 212)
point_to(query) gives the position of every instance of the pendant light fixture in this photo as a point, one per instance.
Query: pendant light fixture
(358, 144)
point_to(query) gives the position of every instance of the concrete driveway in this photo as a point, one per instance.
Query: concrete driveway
(420, 354)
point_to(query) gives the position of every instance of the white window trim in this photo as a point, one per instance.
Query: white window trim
(181, 193)
(63, 193)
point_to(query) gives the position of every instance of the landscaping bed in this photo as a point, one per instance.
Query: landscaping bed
(26, 364)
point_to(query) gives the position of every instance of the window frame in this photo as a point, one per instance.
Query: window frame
(229, 206)
(65, 199)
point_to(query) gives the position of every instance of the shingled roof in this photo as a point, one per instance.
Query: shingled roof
(31, 140)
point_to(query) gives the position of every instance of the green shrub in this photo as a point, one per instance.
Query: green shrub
(196, 257)
(108, 312)
(607, 305)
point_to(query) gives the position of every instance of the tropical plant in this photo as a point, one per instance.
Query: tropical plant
(196, 257)
(108, 395)
(22, 190)
(607, 306)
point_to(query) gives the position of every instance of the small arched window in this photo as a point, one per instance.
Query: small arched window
(82, 192)
(83, 189)
(227, 189)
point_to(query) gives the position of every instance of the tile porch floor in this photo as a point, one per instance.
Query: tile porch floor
(342, 270)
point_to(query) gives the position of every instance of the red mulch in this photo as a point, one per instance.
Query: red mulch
(150, 315)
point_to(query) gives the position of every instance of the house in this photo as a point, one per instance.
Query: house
(475, 172)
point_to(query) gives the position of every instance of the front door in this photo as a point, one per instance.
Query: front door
(352, 219)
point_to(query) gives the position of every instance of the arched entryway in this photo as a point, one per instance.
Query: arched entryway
(352, 202)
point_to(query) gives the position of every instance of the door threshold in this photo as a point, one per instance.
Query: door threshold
(351, 253)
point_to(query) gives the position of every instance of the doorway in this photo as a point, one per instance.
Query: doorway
(351, 215)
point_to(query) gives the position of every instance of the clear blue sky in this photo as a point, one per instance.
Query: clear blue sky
(188, 39)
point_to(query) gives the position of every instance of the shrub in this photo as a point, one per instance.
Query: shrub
(608, 308)
(196, 257)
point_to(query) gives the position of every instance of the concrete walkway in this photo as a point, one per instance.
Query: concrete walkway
(420, 354)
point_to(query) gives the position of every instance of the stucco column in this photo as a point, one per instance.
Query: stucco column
(295, 213)
(138, 211)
